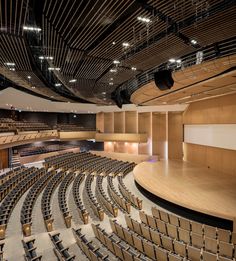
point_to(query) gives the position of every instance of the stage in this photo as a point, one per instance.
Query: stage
(190, 186)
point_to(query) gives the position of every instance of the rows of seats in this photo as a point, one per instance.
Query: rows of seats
(73, 127)
(200, 240)
(29, 202)
(96, 207)
(62, 198)
(1, 250)
(9, 174)
(91, 250)
(60, 251)
(12, 198)
(57, 157)
(117, 246)
(123, 204)
(47, 197)
(135, 201)
(30, 251)
(104, 199)
(83, 213)
(13, 181)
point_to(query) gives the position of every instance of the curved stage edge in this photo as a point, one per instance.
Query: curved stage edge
(185, 172)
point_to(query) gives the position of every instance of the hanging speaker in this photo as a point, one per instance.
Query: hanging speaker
(163, 80)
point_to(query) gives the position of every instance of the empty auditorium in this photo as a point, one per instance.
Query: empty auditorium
(118, 130)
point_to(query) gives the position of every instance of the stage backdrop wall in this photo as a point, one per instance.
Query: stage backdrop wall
(209, 133)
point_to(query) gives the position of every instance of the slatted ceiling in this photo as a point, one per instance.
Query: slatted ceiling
(159, 53)
(13, 49)
(215, 28)
(73, 57)
(92, 67)
(13, 15)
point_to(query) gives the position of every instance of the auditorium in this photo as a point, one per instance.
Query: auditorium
(118, 130)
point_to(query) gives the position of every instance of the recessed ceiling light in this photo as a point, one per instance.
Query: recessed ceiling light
(31, 28)
(29, 77)
(53, 69)
(33, 87)
(125, 44)
(12, 69)
(133, 68)
(116, 62)
(74, 116)
(143, 19)
(193, 41)
(103, 92)
(113, 70)
(113, 43)
(73, 80)
(111, 79)
(172, 60)
(110, 83)
(57, 84)
(178, 61)
(45, 57)
(10, 64)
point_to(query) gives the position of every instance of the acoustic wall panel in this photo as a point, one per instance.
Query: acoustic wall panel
(213, 135)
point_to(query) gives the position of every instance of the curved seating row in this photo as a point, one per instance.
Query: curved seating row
(60, 251)
(117, 246)
(13, 197)
(123, 205)
(62, 198)
(30, 251)
(9, 174)
(29, 202)
(47, 197)
(83, 213)
(135, 201)
(97, 209)
(102, 197)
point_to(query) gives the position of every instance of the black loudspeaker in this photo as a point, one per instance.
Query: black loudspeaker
(120, 97)
(163, 80)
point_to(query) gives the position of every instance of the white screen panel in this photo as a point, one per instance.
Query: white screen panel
(214, 135)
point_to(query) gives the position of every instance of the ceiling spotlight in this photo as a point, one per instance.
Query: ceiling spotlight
(45, 57)
(31, 28)
(116, 62)
(133, 68)
(125, 45)
(178, 61)
(57, 84)
(29, 77)
(111, 79)
(74, 116)
(103, 93)
(53, 69)
(113, 43)
(110, 83)
(172, 60)
(10, 64)
(12, 69)
(73, 80)
(33, 87)
(113, 70)
(193, 41)
(143, 19)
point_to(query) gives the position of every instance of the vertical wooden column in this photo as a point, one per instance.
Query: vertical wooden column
(144, 126)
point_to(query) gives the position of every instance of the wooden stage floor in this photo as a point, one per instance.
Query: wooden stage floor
(190, 186)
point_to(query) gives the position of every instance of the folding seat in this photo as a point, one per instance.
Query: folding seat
(234, 239)
(173, 257)
(143, 217)
(113, 226)
(222, 258)
(197, 240)
(211, 244)
(128, 237)
(127, 255)
(149, 249)
(156, 238)
(184, 223)
(184, 235)
(145, 231)
(207, 256)
(224, 235)
(161, 226)
(161, 254)
(167, 242)
(138, 244)
(197, 228)
(210, 231)
(180, 248)
(172, 231)
(194, 254)
(174, 220)
(164, 216)
(119, 230)
(226, 249)
(136, 227)
(155, 212)
(152, 222)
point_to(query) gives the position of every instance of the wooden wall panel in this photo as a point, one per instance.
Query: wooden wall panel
(108, 146)
(159, 138)
(144, 126)
(215, 158)
(100, 121)
(219, 110)
(119, 122)
(131, 122)
(175, 135)
(109, 122)
(4, 158)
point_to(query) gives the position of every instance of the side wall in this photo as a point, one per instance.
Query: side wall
(221, 110)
